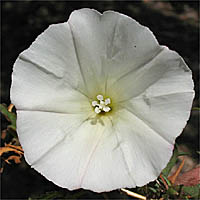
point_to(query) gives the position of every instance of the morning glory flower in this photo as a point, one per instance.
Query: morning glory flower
(99, 102)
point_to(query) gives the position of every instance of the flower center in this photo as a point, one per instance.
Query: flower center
(101, 105)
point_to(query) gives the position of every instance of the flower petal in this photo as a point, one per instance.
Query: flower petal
(97, 155)
(166, 114)
(109, 45)
(165, 94)
(86, 54)
(40, 132)
(145, 151)
(88, 41)
(53, 53)
(46, 76)
(102, 157)
(166, 73)
(71, 155)
(34, 89)
(129, 45)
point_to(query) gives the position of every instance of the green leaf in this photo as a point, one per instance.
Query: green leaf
(171, 191)
(193, 191)
(166, 179)
(152, 189)
(171, 163)
(11, 117)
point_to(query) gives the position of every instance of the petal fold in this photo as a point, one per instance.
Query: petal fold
(40, 132)
(74, 152)
(47, 77)
(108, 45)
(165, 73)
(144, 150)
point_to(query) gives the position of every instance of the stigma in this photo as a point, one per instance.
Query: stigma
(101, 105)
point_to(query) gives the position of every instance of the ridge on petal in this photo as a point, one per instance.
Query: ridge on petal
(166, 65)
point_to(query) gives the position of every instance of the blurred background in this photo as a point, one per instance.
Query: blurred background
(174, 23)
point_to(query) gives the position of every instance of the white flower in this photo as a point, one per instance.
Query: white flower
(100, 102)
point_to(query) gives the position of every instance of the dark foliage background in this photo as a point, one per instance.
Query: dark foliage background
(174, 23)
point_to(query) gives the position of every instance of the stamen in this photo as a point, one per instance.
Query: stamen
(94, 103)
(100, 97)
(106, 109)
(107, 101)
(97, 110)
(101, 104)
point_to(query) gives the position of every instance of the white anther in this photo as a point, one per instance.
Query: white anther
(97, 110)
(106, 109)
(94, 103)
(107, 101)
(100, 97)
